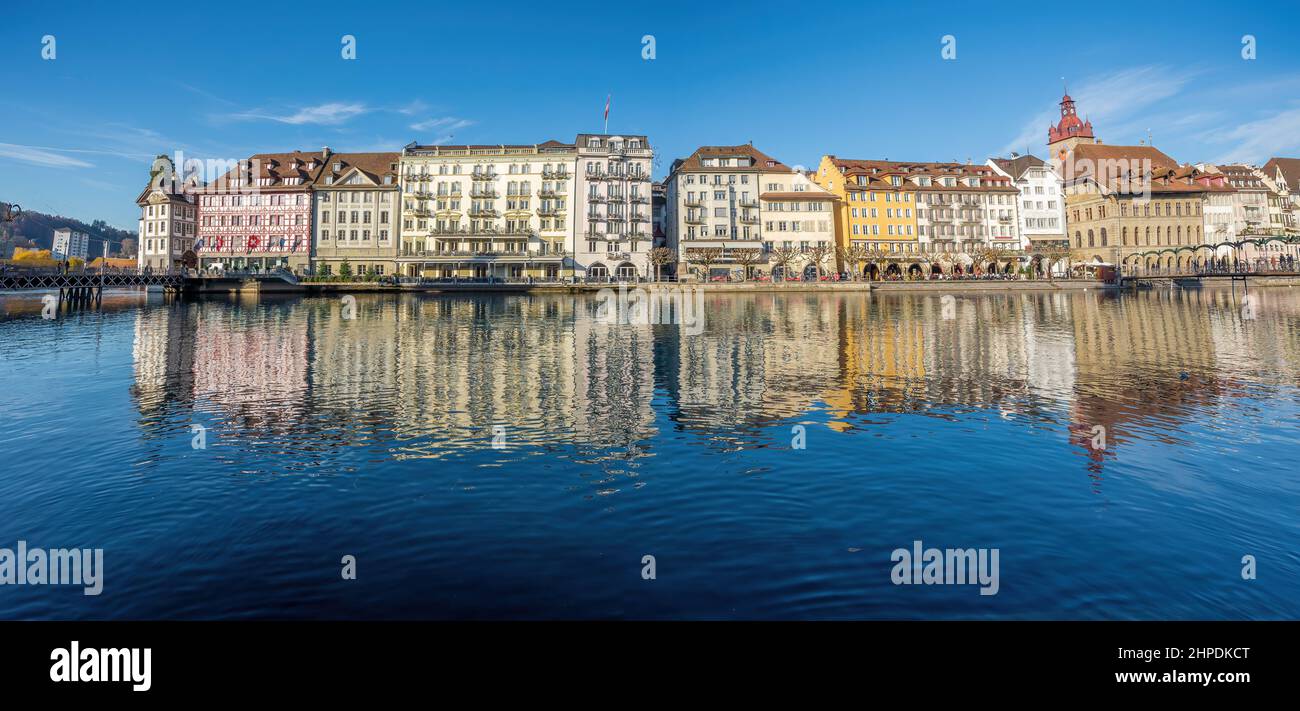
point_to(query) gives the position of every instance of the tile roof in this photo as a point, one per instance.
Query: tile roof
(1016, 167)
(374, 165)
(1288, 167)
(762, 162)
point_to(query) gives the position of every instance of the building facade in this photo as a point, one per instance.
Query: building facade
(356, 203)
(258, 215)
(70, 244)
(876, 204)
(614, 229)
(798, 225)
(168, 220)
(488, 211)
(1041, 203)
(728, 208)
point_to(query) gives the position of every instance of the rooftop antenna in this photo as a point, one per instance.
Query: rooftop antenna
(1149, 142)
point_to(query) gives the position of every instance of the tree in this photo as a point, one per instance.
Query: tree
(660, 257)
(129, 246)
(345, 271)
(33, 258)
(747, 257)
(371, 275)
(849, 257)
(817, 255)
(705, 257)
(783, 257)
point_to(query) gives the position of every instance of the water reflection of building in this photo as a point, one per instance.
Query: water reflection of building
(163, 355)
(251, 363)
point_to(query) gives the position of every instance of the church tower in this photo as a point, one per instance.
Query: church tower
(1069, 131)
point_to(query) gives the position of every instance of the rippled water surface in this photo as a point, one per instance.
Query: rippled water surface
(374, 437)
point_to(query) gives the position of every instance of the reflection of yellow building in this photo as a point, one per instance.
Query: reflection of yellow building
(877, 205)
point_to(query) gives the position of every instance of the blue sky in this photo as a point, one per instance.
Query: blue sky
(864, 80)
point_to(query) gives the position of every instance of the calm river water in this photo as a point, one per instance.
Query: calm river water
(510, 456)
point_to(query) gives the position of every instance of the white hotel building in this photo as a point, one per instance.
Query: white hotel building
(540, 211)
(487, 211)
(614, 226)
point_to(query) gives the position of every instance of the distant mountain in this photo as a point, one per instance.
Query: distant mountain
(39, 227)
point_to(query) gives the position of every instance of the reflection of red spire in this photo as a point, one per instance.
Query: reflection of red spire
(1069, 126)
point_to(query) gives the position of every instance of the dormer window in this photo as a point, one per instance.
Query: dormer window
(338, 167)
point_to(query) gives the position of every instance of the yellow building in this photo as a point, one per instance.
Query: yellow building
(877, 203)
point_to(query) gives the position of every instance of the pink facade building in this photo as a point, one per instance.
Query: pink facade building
(258, 215)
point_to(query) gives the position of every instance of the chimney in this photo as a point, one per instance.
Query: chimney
(325, 153)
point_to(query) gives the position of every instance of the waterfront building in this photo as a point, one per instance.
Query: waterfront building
(967, 219)
(1151, 217)
(168, 220)
(876, 207)
(1040, 206)
(70, 244)
(258, 214)
(729, 207)
(355, 213)
(915, 218)
(1131, 205)
(1240, 214)
(613, 219)
(1282, 175)
(488, 211)
(798, 225)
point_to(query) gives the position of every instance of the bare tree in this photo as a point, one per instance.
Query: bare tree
(783, 257)
(660, 257)
(817, 255)
(704, 257)
(747, 257)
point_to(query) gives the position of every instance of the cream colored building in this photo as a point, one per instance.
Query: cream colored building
(502, 212)
(727, 208)
(168, 218)
(355, 205)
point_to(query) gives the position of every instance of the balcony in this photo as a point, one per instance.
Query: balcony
(486, 255)
(555, 175)
(483, 176)
(639, 200)
(449, 194)
(639, 177)
(593, 217)
(749, 219)
(550, 193)
(416, 211)
(748, 202)
(483, 193)
(696, 219)
(550, 211)
(483, 212)
(693, 202)
(420, 194)
(595, 198)
(639, 234)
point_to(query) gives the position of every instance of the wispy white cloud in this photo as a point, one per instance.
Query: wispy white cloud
(446, 123)
(1116, 98)
(1256, 141)
(42, 156)
(330, 114)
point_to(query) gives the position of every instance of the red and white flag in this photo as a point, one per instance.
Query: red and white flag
(607, 99)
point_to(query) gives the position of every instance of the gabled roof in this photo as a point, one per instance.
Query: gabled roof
(879, 174)
(373, 165)
(1289, 168)
(279, 168)
(760, 163)
(1016, 167)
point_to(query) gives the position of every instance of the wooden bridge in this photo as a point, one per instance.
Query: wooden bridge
(82, 289)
